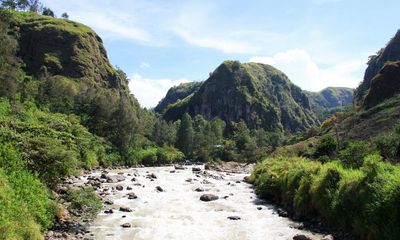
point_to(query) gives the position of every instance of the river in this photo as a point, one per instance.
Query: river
(178, 213)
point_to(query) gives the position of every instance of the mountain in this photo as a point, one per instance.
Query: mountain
(331, 97)
(259, 94)
(391, 52)
(67, 65)
(330, 101)
(177, 93)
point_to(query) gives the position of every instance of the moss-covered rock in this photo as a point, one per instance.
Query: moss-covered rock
(259, 94)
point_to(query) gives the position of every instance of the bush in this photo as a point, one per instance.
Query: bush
(363, 200)
(354, 153)
(84, 202)
(326, 146)
(388, 144)
(25, 207)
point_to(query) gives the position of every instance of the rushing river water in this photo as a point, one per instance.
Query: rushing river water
(177, 212)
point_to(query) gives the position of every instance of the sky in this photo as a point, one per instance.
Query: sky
(162, 43)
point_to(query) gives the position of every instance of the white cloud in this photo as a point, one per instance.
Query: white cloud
(150, 91)
(222, 44)
(302, 70)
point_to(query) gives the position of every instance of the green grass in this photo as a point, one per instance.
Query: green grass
(364, 200)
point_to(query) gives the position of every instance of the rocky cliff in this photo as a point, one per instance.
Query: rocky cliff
(391, 52)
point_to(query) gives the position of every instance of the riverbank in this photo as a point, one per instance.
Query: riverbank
(361, 200)
(165, 203)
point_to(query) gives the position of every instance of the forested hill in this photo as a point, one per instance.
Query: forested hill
(259, 94)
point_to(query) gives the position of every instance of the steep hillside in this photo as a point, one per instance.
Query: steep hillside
(258, 94)
(71, 73)
(177, 93)
(330, 101)
(391, 52)
(331, 97)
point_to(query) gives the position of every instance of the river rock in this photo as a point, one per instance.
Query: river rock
(128, 188)
(196, 169)
(133, 179)
(126, 225)
(119, 187)
(132, 195)
(108, 202)
(115, 179)
(109, 211)
(125, 209)
(151, 176)
(234, 218)
(159, 189)
(199, 189)
(282, 213)
(208, 197)
(301, 237)
(179, 167)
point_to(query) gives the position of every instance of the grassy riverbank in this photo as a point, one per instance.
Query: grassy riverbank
(363, 200)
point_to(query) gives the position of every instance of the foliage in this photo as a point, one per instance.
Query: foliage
(364, 201)
(25, 207)
(326, 146)
(83, 202)
(354, 153)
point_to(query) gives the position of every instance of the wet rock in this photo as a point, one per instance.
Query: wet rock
(238, 181)
(259, 208)
(179, 167)
(159, 189)
(225, 197)
(208, 197)
(301, 237)
(328, 237)
(115, 179)
(234, 218)
(109, 211)
(128, 188)
(126, 225)
(119, 187)
(108, 202)
(246, 179)
(199, 189)
(132, 195)
(205, 181)
(133, 179)
(172, 171)
(125, 209)
(196, 169)
(299, 226)
(189, 180)
(282, 213)
(151, 176)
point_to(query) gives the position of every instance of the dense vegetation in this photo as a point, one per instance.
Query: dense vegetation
(259, 94)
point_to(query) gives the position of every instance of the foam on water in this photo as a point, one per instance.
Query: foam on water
(177, 213)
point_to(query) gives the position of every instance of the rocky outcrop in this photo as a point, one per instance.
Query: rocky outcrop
(384, 85)
(331, 97)
(258, 94)
(389, 53)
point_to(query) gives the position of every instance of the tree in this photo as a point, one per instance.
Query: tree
(9, 63)
(48, 12)
(185, 135)
(65, 15)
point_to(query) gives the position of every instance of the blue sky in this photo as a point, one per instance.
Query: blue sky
(161, 43)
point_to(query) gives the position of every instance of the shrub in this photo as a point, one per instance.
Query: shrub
(84, 202)
(354, 153)
(326, 146)
(388, 144)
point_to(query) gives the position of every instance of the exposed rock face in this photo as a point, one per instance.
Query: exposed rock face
(384, 85)
(176, 93)
(389, 53)
(258, 94)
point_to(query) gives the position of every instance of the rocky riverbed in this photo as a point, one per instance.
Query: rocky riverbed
(182, 203)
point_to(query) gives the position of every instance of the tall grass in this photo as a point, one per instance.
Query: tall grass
(365, 200)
